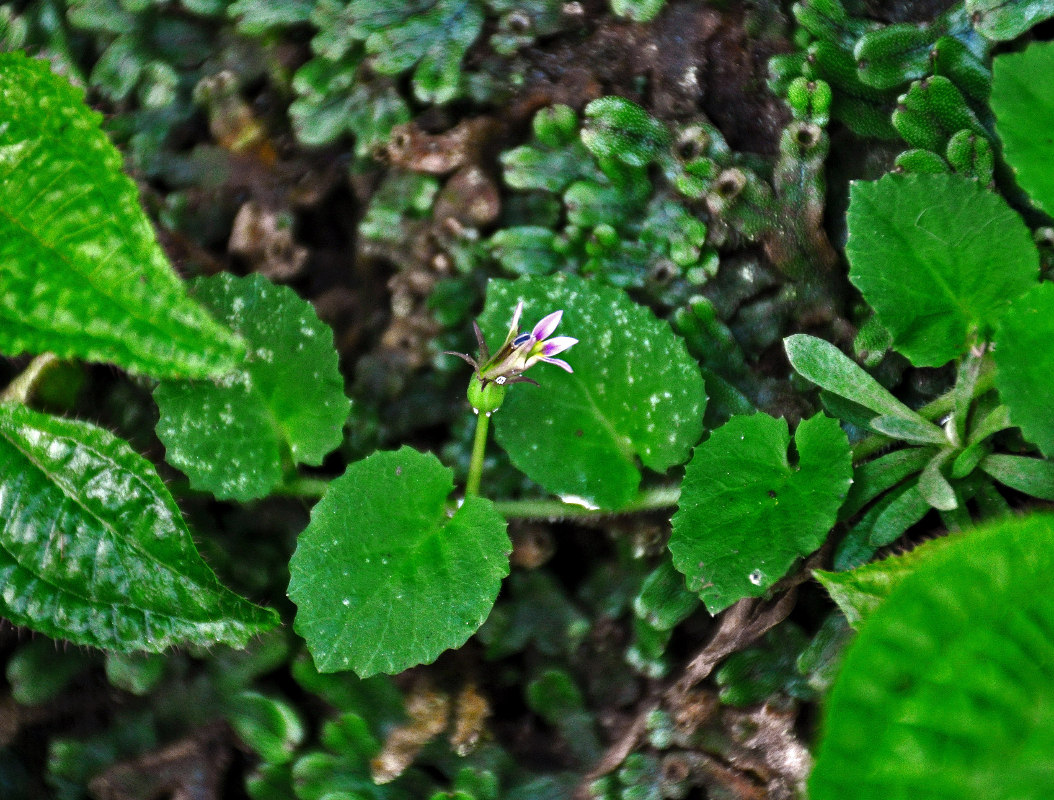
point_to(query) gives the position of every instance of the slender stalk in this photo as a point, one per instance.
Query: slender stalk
(479, 445)
(652, 499)
(21, 388)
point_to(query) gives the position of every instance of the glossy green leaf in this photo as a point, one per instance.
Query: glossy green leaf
(230, 437)
(383, 577)
(635, 393)
(1024, 110)
(81, 271)
(858, 592)
(93, 548)
(747, 512)
(1025, 362)
(939, 258)
(1003, 20)
(948, 690)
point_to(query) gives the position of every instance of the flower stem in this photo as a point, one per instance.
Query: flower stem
(21, 388)
(479, 445)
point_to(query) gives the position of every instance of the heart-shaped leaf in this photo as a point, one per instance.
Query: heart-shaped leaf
(383, 577)
(746, 512)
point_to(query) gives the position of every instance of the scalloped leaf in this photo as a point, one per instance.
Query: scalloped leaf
(948, 690)
(746, 513)
(1024, 111)
(230, 437)
(635, 393)
(93, 549)
(383, 577)
(1025, 363)
(939, 258)
(81, 271)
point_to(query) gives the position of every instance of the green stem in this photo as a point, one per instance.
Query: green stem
(479, 445)
(21, 388)
(648, 500)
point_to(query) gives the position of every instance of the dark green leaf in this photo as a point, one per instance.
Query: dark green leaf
(881, 474)
(1032, 476)
(229, 437)
(82, 273)
(938, 258)
(93, 548)
(948, 690)
(1025, 362)
(1024, 110)
(635, 392)
(746, 513)
(904, 510)
(383, 578)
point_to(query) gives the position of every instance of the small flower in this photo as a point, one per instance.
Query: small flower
(520, 351)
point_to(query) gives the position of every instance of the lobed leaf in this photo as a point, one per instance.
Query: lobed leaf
(746, 513)
(939, 258)
(1024, 110)
(383, 577)
(93, 549)
(947, 690)
(635, 393)
(82, 273)
(230, 437)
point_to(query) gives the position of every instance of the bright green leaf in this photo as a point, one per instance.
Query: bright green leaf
(746, 512)
(618, 129)
(939, 258)
(82, 273)
(1024, 110)
(269, 726)
(1025, 362)
(93, 548)
(635, 393)
(948, 690)
(229, 437)
(1034, 476)
(383, 577)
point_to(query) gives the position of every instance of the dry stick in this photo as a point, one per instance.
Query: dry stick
(743, 623)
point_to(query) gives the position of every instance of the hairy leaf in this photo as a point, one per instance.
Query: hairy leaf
(939, 258)
(746, 512)
(1024, 110)
(948, 690)
(81, 272)
(93, 548)
(858, 592)
(635, 393)
(383, 577)
(229, 437)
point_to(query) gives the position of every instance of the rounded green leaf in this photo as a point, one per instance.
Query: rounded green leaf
(93, 548)
(1025, 362)
(81, 272)
(383, 577)
(635, 393)
(746, 513)
(1024, 110)
(948, 691)
(939, 258)
(229, 437)
(1003, 20)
